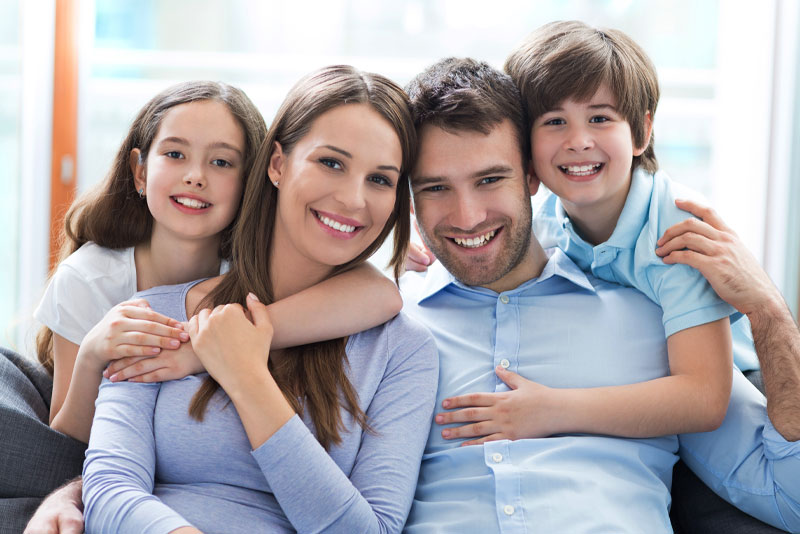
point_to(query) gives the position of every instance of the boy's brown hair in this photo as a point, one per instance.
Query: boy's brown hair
(570, 59)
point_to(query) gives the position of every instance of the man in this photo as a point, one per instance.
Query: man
(498, 302)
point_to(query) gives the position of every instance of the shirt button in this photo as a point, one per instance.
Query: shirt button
(508, 509)
(504, 299)
(497, 457)
(504, 363)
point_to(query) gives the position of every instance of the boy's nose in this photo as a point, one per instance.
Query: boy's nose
(578, 139)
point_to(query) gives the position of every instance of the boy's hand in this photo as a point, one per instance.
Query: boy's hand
(715, 250)
(523, 412)
(170, 364)
(418, 258)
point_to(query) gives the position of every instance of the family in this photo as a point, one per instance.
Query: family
(216, 336)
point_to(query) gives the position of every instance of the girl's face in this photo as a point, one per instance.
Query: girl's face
(336, 187)
(193, 174)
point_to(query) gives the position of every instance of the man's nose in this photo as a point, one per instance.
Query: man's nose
(468, 212)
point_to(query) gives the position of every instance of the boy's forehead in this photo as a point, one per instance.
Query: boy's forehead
(603, 95)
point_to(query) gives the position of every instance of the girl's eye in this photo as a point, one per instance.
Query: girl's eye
(599, 119)
(222, 163)
(331, 163)
(174, 154)
(380, 180)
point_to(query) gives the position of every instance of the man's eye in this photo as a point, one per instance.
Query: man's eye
(433, 189)
(331, 163)
(222, 163)
(489, 180)
(174, 154)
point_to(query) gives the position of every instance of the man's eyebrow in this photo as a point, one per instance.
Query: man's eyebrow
(426, 180)
(347, 154)
(493, 169)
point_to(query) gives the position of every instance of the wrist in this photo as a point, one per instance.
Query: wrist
(768, 311)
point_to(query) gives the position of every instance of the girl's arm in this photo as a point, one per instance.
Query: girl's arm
(348, 303)
(693, 399)
(128, 329)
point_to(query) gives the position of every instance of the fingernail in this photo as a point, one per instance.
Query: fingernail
(174, 343)
(445, 433)
(446, 403)
(178, 325)
(155, 350)
(439, 418)
(114, 378)
(184, 336)
(252, 296)
(105, 373)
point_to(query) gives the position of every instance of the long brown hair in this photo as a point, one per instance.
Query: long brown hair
(112, 214)
(311, 376)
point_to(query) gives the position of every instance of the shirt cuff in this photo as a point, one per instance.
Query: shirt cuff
(290, 439)
(775, 445)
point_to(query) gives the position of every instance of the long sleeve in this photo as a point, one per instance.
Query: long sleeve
(120, 464)
(747, 462)
(312, 490)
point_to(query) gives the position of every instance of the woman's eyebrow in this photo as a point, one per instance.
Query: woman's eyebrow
(349, 155)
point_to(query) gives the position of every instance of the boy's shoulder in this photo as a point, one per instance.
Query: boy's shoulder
(665, 191)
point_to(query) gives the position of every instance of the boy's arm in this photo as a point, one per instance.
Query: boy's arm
(345, 304)
(693, 399)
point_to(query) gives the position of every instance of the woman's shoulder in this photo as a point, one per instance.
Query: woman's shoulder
(168, 300)
(399, 338)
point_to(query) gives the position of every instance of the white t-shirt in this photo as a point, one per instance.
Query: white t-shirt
(87, 284)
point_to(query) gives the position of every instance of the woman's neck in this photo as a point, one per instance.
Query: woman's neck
(290, 271)
(164, 260)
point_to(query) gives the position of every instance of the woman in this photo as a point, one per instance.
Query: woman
(324, 437)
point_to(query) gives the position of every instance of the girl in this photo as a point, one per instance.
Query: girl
(164, 215)
(322, 437)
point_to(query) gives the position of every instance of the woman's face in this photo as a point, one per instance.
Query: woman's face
(337, 186)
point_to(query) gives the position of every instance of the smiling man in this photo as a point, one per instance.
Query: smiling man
(518, 327)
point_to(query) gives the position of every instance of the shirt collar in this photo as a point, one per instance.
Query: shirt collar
(559, 265)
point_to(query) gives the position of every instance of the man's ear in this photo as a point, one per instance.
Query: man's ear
(533, 180)
(648, 124)
(137, 168)
(277, 161)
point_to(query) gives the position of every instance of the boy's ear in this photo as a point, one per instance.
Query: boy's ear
(277, 161)
(648, 125)
(137, 168)
(533, 180)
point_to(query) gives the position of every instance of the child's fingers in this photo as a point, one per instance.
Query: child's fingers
(465, 415)
(149, 340)
(115, 366)
(147, 314)
(470, 399)
(483, 428)
(156, 329)
(137, 367)
(493, 437)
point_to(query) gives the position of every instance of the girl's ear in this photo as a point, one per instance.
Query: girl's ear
(648, 125)
(137, 168)
(277, 162)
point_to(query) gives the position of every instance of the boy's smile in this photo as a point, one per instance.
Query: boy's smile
(583, 152)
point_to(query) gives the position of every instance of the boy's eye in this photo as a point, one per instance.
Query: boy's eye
(555, 122)
(331, 163)
(380, 180)
(174, 154)
(599, 119)
(222, 163)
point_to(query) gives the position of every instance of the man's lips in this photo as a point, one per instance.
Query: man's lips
(475, 241)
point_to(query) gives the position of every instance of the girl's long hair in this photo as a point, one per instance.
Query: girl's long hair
(112, 214)
(312, 377)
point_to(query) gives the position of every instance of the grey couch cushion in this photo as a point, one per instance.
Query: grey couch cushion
(34, 459)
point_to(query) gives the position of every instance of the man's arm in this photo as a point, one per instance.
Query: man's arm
(715, 250)
(60, 513)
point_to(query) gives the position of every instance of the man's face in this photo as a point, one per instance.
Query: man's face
(472, 203)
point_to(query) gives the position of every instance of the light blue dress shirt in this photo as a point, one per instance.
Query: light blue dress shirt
(569, 329)
(628, 258)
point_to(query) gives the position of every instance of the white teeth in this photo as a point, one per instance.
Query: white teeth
(346, 228)
(474, 242)
(191, 202)
(580, 170)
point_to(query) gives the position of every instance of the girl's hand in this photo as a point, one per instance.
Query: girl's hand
(131, 328)
(170, 364)
(228, 344)
(418, 258)
(523, 412)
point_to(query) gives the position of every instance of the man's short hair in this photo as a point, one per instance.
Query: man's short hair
(462, 94)
(572, 60)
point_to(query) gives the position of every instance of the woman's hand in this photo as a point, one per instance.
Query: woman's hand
(170, 364)
(523, 412)
(230, 346)
(131, 328)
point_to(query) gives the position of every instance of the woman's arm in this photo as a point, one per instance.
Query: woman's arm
(118, 474)
(348, 303)
(378, 494)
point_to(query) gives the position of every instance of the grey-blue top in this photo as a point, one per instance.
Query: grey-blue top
(150, 468)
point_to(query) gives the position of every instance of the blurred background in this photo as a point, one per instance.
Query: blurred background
(74, 72)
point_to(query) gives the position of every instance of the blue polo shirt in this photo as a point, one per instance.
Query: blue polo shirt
(628, 258)
(567, 328)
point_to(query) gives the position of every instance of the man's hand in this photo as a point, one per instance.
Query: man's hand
(60, 513)
(523, 412)
(715, 250)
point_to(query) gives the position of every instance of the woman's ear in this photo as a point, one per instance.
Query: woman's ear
(137, 168)
(648, 125)
(277, 161)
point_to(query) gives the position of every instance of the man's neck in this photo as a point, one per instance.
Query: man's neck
(530, 267)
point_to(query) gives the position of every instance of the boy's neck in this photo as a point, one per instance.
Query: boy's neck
(596, 222)
(161, 261)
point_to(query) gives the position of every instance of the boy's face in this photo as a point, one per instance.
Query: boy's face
(583, 152)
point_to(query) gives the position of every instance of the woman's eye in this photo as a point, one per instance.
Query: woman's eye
(222, 163)
(331, 163)
(174, 154)
(380, 180)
